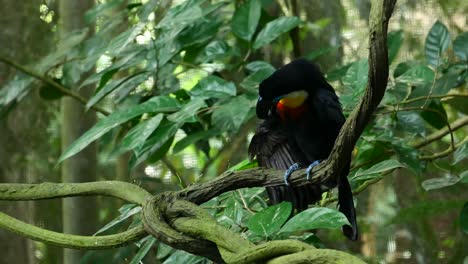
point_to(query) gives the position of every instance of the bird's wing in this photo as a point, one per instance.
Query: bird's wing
(271, 148)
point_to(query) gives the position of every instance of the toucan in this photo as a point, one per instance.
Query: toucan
(302, 117)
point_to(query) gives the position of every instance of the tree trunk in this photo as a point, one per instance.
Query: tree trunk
(80, 213)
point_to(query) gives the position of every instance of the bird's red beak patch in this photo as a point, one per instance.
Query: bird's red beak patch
(292, 105)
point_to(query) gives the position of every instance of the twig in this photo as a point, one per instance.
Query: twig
(444, 153)
(52, 83)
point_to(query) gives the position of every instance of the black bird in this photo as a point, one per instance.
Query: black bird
(302, 118)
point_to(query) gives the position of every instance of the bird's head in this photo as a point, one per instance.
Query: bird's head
(288, 87)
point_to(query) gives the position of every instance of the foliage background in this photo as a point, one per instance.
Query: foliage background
(179, 79)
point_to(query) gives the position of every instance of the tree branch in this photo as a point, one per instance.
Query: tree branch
(52, 83)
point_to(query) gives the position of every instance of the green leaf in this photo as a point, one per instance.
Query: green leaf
(411, 122)
(437, 183)
(458, 103)
(464, 177)
(193, 138)
(149, 241)
(213, 87)
(107, 8)
(460, 46)
(215, 50)
(274, 29)
(416, 75)
(161, 152)
(120, 42)
(461, 153)
(188, 111)
(436, 115)
(320, 51)
(245, 19)
(338, 73)
(154, 105)
(49, 92)
(106, 77)
(269, 220)
(313, 218)
(408, 156)
(437, 41)
(200, 33)
(464, 219)
(155, 142)
(258, 66)
(355, 82)
(253, 80)
(126, 211)
(181, 15)
(180, 256)
(394, 42)
(131, 81)
(138, 134)
(378, 168)
(231, 115)
(445, 83)
(244, 165)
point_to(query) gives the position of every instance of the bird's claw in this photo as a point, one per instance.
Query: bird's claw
(289, 171)
(311, 166)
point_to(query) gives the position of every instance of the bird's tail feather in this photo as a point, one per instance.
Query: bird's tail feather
(346, 206)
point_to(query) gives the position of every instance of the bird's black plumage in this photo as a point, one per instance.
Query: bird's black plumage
(304, 135)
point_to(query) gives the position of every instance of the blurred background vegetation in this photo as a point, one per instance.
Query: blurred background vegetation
(165, 91)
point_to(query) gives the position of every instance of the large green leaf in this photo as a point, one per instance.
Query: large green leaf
(180, 256)
(155, 142)
(394, 41)
(460, 46)
(312, 218)
(188, 111)
(355, 82)
(320, 52)
(156, 104)
(437, 41)
(126, 211)
(418, 74)
(193, 138)
(131, 81)
(231, 115)
(148, 242)
(119, 43)
(215, 50)
(443, 85)
(464, 219)
(213, 87)
(408, 156)
(269, 220)
(274, 29)
(435, 115)
(138, 134)
(258, 66)
(181, 15)
(378, 168)
(252, 81)
(245, 19)
(437, 183)
(461, 153)
(199, 33)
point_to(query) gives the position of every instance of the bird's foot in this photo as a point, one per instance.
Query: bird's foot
(289, 171)
(311, 166)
